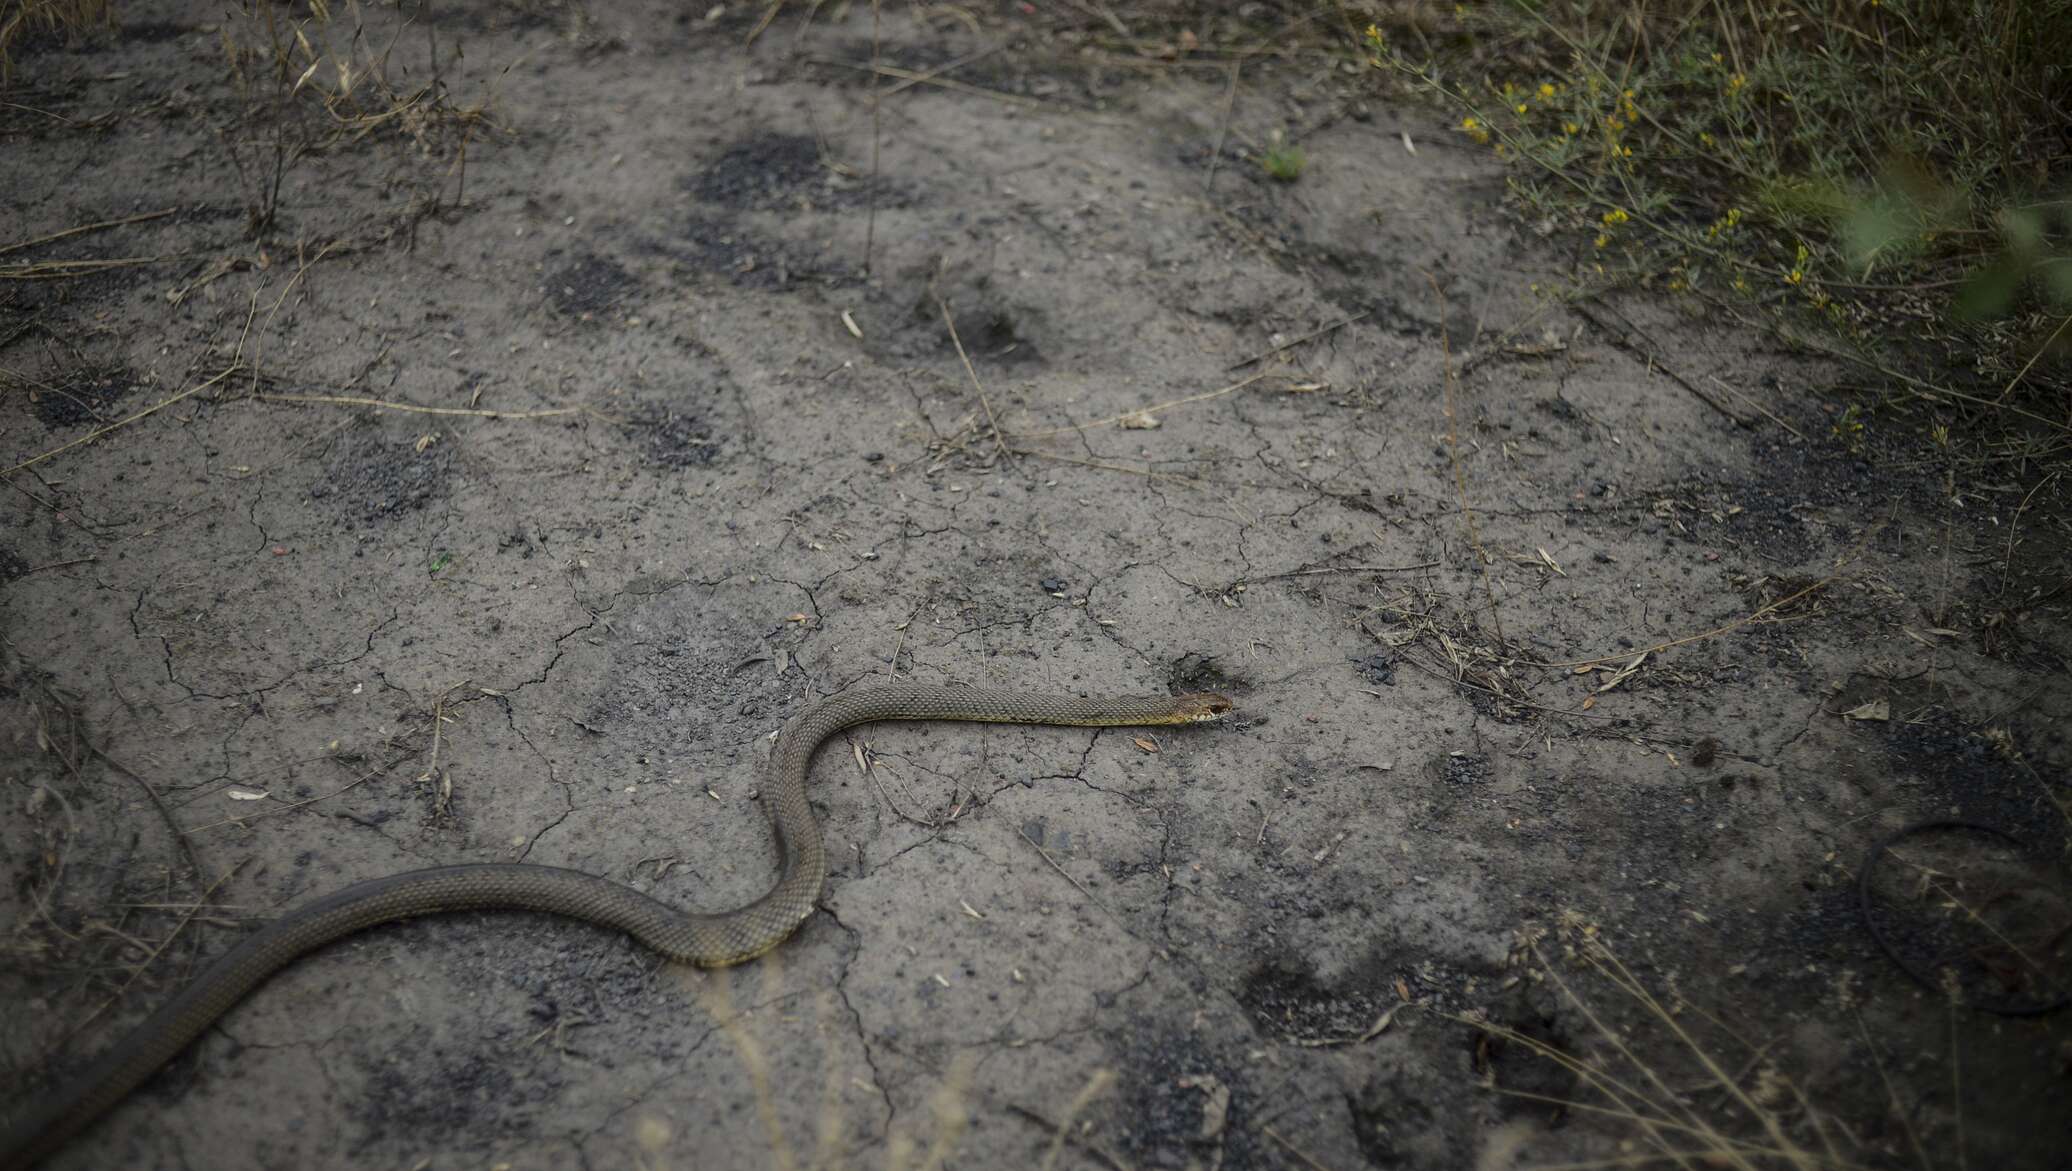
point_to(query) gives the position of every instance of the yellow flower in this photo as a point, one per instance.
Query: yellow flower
(1733, 216)
(1704, 138)
(1520, 107)
(1626, 152)
(1616, 215)
(1571, 129)
(1795, 277)
(1740, 284)
(1603, 238)
(1716, 59)
(1546, 91)
(1735, 83)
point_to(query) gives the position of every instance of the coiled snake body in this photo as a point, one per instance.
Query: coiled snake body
(705, 940)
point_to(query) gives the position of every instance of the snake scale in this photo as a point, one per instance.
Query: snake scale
(705, 940)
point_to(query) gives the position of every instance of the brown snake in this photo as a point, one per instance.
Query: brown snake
(706, 940)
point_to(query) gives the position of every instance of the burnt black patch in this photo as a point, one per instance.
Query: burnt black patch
(989, 331)
(1456, 768)
(12, 567)
(774, 172)
(590, 286)
(1291, 1003)
(676, 439)
(1173, 1084)
(153, 32)
(376, 480)
(84, 396)
(1197, 672)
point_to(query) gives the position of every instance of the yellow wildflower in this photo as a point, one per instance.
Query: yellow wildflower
(1603, 238)
(1735, 83)
(1616, 215)
(1546, 91)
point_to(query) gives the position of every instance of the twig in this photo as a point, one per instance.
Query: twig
(155, 952)
(1347, 569)
(1145, 410)
(344, 400)
(1796, 433)
(1738, 623)
(57, 270)
(1460, 476)
(1060, 869)
(2026, 366)
(90, 436)
(55, 565)
(83, 228)
(946, 83)
(998, 440)
(1062, 1130)
(290, 807)
(1087, 463)
(2014, 526)
(1222, 128)
(1294, 1150)
(870, 221)
(1624, 339)
(1312, 335)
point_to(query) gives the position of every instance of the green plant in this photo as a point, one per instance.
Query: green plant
(1900, 174)
(1282, 160)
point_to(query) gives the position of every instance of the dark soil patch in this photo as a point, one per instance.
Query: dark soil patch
(676, 439)
(12, 566)
(725, 247)
(589, 286)
(774, 172)
(1289, 1002)
(1171, 1079)
(83, 396)
(377, 480)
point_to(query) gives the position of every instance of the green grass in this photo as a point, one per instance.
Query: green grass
(1894, 170)
(1283, 160)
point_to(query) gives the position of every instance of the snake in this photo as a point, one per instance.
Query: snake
(705, 940)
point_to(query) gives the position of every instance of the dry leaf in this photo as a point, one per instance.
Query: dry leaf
(246, 794)
(855, 331)
(1141, 421)
(1877, 709)
(1146, 745)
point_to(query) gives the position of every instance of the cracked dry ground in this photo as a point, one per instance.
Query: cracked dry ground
(338, 642)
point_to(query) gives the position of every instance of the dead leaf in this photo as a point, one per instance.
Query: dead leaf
(1146, 745)
(1215, 1112)
(246, 794)
(1877, 709)
(1141, 421)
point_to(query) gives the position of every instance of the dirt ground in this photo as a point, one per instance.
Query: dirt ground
(503, 511)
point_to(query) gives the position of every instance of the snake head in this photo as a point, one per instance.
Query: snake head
(1200, 707)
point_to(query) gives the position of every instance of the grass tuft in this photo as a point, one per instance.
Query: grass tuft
(1886, 168)
(23, 18)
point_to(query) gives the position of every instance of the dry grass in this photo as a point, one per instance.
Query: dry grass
(25, 18)
(1658, 1069)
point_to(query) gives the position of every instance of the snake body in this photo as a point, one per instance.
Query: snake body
(704, 940)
